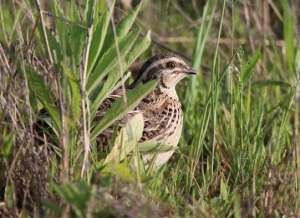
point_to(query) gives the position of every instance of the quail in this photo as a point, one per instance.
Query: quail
(161, 108)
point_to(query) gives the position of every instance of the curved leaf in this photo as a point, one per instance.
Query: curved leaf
(127, 139)
(110, 60)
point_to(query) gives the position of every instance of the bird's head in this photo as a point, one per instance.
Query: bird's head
(168, 69)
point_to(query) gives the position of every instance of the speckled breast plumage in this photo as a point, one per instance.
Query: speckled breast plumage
(163, 118)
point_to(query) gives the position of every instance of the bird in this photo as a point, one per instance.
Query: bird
(161, 108)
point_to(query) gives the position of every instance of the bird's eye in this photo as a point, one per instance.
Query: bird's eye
(171, 65)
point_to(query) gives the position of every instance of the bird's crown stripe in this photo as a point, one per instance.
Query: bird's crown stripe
(163, 61)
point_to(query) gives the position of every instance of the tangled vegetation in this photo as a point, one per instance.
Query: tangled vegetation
(239, 154)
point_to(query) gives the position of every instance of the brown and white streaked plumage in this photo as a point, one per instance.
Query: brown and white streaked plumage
(161, 109)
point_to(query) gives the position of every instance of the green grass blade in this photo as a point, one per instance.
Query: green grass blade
(88, 11)
(289, 36)
(98, 37)
(203, 32)
(114, 76)
(248, 69)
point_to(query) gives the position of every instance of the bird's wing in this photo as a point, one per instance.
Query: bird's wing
(104, 138)
(160, 115)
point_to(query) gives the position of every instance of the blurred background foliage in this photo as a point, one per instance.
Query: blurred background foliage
(239, 154)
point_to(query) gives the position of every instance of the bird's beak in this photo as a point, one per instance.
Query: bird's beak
(191, 71)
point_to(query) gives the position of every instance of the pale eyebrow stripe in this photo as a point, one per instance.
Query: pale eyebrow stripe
(163, 61)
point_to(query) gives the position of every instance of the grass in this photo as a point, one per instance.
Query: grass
(239, 152)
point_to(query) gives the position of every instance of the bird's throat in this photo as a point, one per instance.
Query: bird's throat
(169, 91)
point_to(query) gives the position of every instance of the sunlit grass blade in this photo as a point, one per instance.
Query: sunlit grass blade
(127, 139)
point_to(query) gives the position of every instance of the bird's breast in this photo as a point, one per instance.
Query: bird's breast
(163, 120)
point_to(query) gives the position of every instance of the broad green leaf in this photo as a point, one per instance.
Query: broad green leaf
(140, 46)
(115, 76)
(43, 93)
(74, 94)
(248, 68)
(76, 40)
(110, 60)
(125, 25)
(127, 139)
(68, 54)
(119, 109)
(68, 40)
(98, 37)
